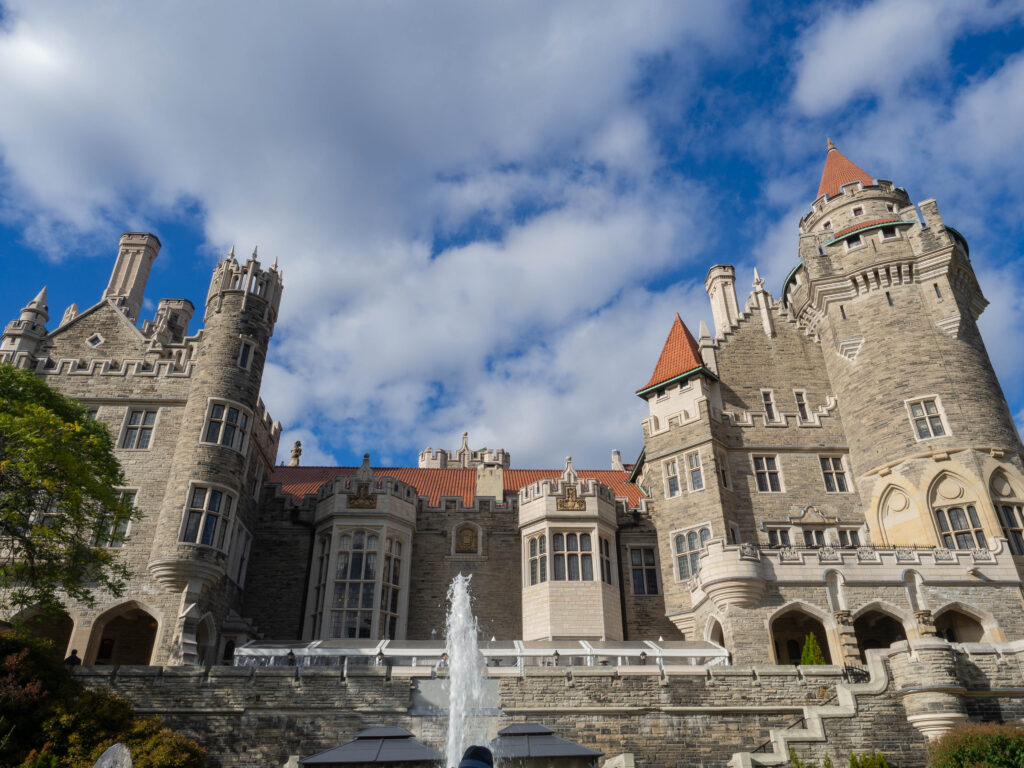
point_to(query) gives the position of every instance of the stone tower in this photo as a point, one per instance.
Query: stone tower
(24, 334)
(205, 508)
(135, 256)
(894, 301)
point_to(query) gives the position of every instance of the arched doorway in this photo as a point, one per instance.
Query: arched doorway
(790, 631)
(958, 627)
(124, 635)
(715, 633)
(54, 628)
(204, 642)
(875, 629)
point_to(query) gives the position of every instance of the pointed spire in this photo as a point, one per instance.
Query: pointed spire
(758, 281)
(274, 265)
(704, 332)
(840, 170)
(829, 146)
(40, 300)
(255, 252)
(679, 355)
(69, 314)
(231, 253)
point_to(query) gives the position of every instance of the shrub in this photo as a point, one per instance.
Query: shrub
(866, 760)
(978, 744)
(50, 721)
(811, 653)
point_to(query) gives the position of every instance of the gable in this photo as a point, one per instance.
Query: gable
(121, 339)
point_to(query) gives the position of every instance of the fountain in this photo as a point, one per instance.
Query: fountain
(466, 674)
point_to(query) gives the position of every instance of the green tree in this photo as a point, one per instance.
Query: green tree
(58, 498)
(811, 653)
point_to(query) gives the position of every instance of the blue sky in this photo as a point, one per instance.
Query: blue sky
(488, 213)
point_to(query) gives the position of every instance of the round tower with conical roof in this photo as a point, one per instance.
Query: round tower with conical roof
(890, 292)
(21, 337)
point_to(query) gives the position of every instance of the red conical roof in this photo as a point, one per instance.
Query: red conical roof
(840, 170)
(679, 355)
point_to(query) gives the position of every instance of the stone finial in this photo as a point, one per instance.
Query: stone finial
(296, 454)
(274, 265)
(569, 473)
(69, 314)
(231, 253)
(465, 442)
(758, 281)
(255, 253)
(704, 332)
(617, 461)
(365, 474)
(829, 146)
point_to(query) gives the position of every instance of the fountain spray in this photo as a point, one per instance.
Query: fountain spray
(466, 674)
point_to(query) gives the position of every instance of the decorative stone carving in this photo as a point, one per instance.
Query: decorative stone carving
(925, 623)
(950, 489)
(466, 540)
(749, 551)
(867, 555)
(941, 554)
(571, 501)
(363, 499)
(828, 555)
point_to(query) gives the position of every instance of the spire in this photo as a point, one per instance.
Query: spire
(704, 332)
(255, 253)
(758, 281)
(569, 473)
(231, 253)
(840, 170)
(274, 266)
(39, 302)
(679, 355)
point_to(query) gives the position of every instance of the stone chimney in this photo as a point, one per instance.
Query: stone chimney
(135, 255)
(617, 461)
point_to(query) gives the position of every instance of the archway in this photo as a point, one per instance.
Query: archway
(125, 634)
(875, 629)
(957, 627)
(789, 633)
(55, 628)
(204, 641)
(715, 633)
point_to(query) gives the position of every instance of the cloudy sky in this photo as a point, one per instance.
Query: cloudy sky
(488, 213)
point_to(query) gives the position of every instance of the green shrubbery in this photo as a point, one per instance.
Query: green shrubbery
(979, 744)
(866, 760)
(50, 721)
(811, 653)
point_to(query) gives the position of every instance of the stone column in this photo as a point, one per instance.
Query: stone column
(847, 638)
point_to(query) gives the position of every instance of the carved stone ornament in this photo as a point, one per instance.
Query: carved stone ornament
(465, 540)
(363, 499)
(748, 550)
(571, 502)
(925, 622)
(843, 618)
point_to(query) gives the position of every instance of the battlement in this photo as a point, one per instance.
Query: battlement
(463, 457)
(248, 279)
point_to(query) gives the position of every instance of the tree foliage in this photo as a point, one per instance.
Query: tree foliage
(811, 652)
(58, 498)
(975, 744)
(52, 722)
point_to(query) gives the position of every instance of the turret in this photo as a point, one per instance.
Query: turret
(24, 334)
(205, 503)
(170, 324)
(720, 284)
(135, 256)
(893, 300)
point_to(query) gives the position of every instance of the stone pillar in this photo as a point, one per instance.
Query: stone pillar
(927, 680)
(847, 638)
(926, 623)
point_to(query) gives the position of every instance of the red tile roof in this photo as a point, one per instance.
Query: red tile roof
(864, 225)
(840, 170)
(437, 483)
(679, 355)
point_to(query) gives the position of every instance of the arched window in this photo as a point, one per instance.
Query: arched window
(355, 579)
(1010, 509)
(538, 559)
(960, 527)
(688, 548)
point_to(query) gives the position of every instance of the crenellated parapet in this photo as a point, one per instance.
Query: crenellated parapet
(464, 457)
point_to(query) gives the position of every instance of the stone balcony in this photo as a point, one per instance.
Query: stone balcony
(732, 574)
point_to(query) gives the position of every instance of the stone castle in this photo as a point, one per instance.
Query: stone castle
(839, 460)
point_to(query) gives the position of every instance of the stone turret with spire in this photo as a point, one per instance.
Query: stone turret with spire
(23, 336)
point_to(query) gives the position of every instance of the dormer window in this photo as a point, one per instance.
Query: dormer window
(889, 233)
(854, 241)
(858, 211)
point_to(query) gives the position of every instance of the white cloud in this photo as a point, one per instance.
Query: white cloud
(344, 139)
(875, 48)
